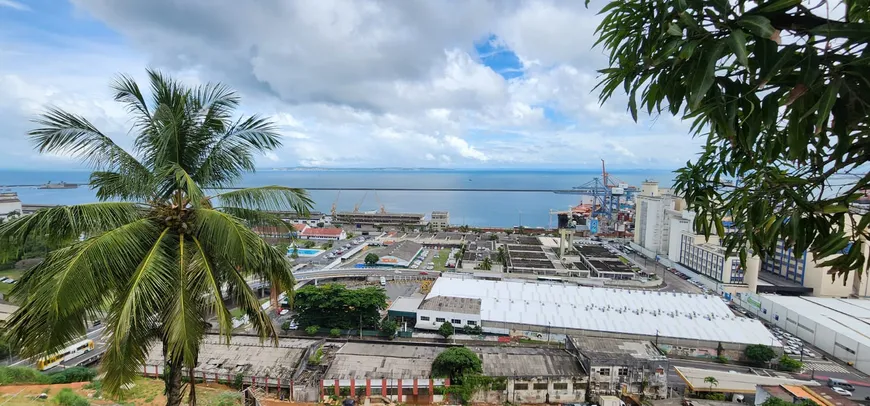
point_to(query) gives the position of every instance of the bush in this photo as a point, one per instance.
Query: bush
(388, 328)
(286, 325)
(66, 397)
(759, 353)
(721, 359)
(75, 374)
(715, 396)
(335, 333)
(315, 358)
(312, 330)
(22, 375)
(786, 363)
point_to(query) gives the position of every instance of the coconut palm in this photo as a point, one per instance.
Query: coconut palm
(712, 381)
(486, 264)
(156, 254)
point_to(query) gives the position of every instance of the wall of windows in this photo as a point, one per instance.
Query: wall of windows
(703, 261)
(785, 264)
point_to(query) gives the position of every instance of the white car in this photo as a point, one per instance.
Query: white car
(841, 391)
(283, 312)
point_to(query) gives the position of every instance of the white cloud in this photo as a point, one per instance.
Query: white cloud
(14, 5)
(353, 82)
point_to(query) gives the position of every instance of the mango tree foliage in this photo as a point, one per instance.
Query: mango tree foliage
(781, 91)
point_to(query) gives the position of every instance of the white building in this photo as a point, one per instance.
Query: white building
(440, 220)
(658, 215)
(323, 234)
(503, 307)
(836, 326)
(10, 205)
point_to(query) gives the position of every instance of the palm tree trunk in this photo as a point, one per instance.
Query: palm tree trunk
(172, 380)
(857, 277)
(273, 297)
(191, 398)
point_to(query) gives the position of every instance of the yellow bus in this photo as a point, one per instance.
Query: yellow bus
(65, 354)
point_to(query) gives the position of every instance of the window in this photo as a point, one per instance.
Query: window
(540, 386)
(472, 323)
(440, 319)
(560, 386)
(604, 371)
(424, 318)
(456, 321)
(623, 372)
(521, 386)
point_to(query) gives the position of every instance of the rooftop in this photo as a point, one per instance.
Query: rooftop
(452, 304)
(849, 317)
(615, 350)
(734, 382)
(6, 311)
(321, 232)
(406, 304)
(527, 361)
(679, 315)
(405, 250)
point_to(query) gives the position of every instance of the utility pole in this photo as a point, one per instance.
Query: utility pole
(360, 326)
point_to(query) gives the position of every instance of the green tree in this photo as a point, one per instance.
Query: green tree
(787, 363)
(712, 381)
(759, 353)
(446, 330)
(295, 253)
(326, 246)
(335, 332)
(455, 363)
(157, 250)
(501, 256)
(486, 265)
(389, 328)
(493, 237)
(371, 259)
(309, 244)
(312, 330)
(780, 118)
(775, 401)
(335, 305)
(283, 247)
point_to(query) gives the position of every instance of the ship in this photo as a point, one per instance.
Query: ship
(61, 185)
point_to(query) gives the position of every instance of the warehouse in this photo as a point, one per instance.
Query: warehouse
(836, 326)
(685, 322)
(400, 254)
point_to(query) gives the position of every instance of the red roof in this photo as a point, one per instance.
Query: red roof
(300, 227)
(321, 232)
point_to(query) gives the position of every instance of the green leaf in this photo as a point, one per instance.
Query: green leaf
(675, 30)
(826, 103)
(856, 31)
(703, 79)
(757, 25)
(835, 208)
(776, 5)
(737, 42)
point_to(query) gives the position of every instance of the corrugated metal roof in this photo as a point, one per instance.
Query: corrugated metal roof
(845, 316)
(679, 315)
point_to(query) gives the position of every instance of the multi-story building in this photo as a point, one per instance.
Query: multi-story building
(618, 366)
(659, 215)
(803, 271)
(708, 258)
(440, 220)
(379, 219)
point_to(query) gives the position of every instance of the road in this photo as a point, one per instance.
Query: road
(674, 283)
(94, 333)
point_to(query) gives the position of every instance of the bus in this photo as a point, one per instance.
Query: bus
(65, 354)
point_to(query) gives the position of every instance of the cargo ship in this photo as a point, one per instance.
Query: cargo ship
(61, 185)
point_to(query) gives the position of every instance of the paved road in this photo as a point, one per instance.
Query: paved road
(94, 333)
(674, 283)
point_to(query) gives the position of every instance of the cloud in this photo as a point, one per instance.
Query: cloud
(350, 82)
(14, 5)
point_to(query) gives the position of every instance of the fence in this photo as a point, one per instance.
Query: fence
(279, 385)
(414, 391)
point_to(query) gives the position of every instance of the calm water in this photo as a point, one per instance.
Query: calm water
(500, 209)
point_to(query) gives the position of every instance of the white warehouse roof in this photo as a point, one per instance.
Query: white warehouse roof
(678, 315)
(849, 317)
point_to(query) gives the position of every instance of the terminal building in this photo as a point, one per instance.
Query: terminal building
(440, 220)
(382, 219)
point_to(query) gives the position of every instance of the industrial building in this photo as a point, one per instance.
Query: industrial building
(708, 258)
(440, 220)
(683, 321)
(359, 219)
(400, 254)
(622, 366)
(602, 263)
(836, 326)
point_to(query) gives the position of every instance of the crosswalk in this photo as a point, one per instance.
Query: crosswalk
(823, 366)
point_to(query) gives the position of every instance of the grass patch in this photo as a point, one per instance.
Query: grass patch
(10, 273)
(441, 259)
(624, 260)
(236, 312)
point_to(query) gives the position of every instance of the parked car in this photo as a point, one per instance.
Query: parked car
(841, 391)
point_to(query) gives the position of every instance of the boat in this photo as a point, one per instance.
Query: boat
(61, 185)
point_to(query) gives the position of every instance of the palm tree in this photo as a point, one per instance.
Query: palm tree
(501, 256)
(712, 381)
(158, 253)
(486, 265)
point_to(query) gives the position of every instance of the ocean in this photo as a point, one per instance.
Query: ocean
(496, 209)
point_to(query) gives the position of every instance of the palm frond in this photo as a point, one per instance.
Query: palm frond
(127, 92)
(268, 198)
(204, 272)
(179, 186)
(255, 218)
(182, 320)
(232, 154)
(73, 283)
(124, 186)
(136, 310)
(69, 222)
(71, 135)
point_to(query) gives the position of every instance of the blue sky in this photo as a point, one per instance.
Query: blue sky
(366, 83)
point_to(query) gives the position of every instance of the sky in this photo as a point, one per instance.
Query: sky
(350, 83)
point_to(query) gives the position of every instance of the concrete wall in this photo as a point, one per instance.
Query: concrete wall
(536, 390)
(433, 315)
(613, 383)
(678, 226)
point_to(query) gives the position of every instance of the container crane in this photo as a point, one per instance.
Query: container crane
(334, 203)
(356, 206)
(382, 210)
